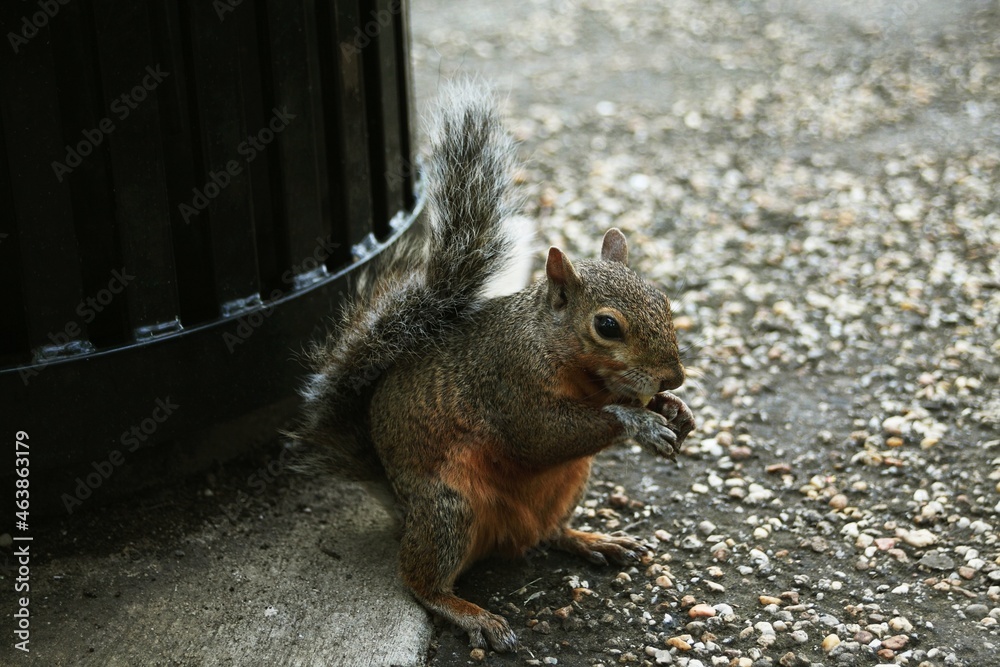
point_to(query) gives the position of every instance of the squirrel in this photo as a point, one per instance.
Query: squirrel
(484, 414)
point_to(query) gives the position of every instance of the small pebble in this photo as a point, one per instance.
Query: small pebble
(764, 628)
(919, 538)
(977, 611)
(723, 609)
(830, 642)
(900, 624)
(679, 644)
(701, 611)
(542, 627)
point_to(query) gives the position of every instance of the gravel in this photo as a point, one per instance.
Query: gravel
(815, 185)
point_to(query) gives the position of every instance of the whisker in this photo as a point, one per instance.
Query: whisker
(696, 387)
(694, 373)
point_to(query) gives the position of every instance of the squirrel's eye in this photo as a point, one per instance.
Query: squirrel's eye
(607, 327)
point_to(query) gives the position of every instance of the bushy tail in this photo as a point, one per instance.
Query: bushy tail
(420, 291)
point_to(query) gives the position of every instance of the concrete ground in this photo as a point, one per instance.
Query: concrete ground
(213, 573)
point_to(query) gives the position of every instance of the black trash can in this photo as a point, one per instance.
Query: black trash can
(185, 190)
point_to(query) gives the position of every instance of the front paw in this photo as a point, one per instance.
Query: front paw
(679, 417)
(648, 429)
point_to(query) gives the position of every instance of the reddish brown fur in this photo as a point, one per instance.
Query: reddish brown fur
(514, 507)
(580, 382)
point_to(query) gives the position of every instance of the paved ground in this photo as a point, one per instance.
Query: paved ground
(815, 184)
(240, 567)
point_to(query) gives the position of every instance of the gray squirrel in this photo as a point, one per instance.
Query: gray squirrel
(484, 414)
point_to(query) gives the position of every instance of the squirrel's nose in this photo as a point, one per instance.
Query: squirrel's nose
(675, 380)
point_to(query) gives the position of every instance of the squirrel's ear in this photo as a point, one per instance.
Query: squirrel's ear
(562, 277)
(615, 247)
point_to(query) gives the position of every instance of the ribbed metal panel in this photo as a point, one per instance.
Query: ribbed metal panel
(169, 167)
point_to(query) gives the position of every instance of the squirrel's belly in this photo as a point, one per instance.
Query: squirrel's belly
(514, 508)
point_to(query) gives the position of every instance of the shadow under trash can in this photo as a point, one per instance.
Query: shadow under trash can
(186, 189)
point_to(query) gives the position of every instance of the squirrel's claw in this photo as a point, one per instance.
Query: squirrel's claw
(647, 428)
(493, 630)
(677, 414)
(600, 549)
